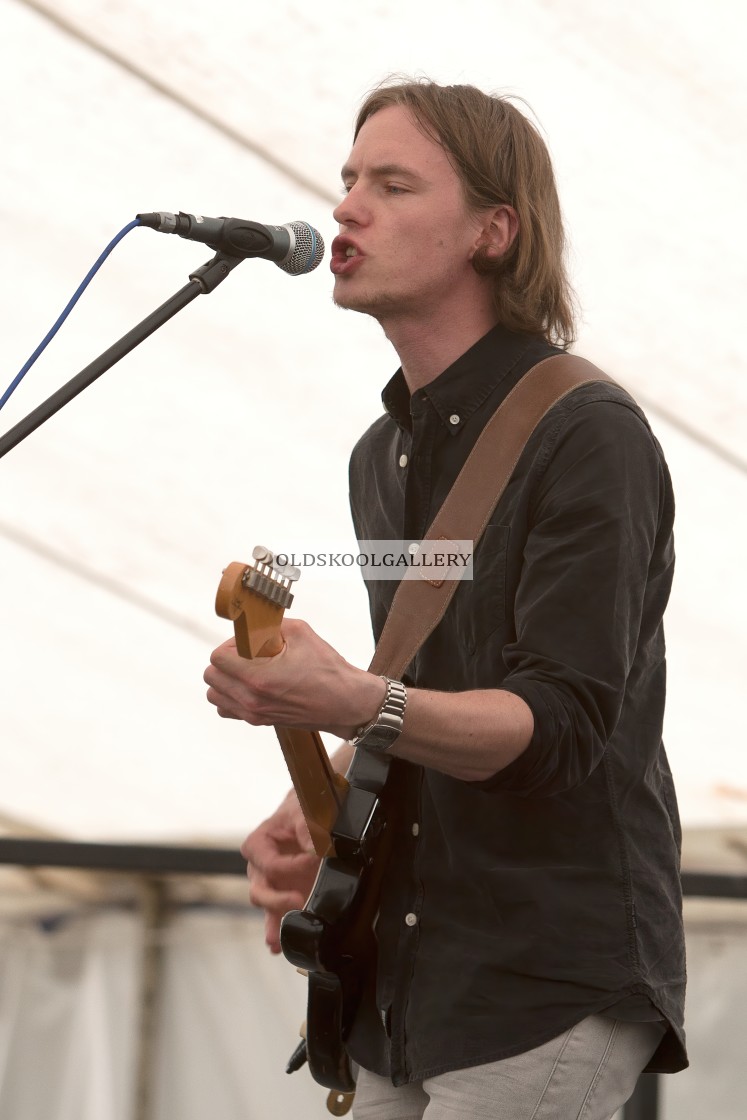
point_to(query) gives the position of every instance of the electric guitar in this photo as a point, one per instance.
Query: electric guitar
(332, 939)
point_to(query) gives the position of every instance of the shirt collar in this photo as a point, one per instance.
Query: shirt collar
(457, 392)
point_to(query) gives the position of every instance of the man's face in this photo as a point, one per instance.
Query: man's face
(406, 236)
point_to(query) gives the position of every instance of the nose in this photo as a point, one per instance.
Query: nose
(351, 210)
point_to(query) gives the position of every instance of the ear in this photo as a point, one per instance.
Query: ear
(498, 232)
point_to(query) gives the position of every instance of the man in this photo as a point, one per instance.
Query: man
(531, 952)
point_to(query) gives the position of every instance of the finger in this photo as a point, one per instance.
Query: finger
(272, 932)
(219, 680)
(269, 841)
(224, 705)
(248, 847)
(274, 901)
(288, 873)
(226, 660)
(228, 647)
(219, 688)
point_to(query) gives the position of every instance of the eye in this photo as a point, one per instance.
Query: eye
(394, 188)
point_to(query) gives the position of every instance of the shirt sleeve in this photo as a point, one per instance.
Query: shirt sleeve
(595, 579)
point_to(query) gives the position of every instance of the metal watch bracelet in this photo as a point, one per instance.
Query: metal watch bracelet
(385, 729)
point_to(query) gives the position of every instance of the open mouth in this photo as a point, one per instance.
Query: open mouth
(345, 256)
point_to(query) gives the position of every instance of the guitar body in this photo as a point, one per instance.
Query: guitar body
(333, 937)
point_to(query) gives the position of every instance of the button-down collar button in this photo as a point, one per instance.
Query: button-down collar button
(413, 548)
(454, 419)
(411, 919)
(403, 460)
(416, 829)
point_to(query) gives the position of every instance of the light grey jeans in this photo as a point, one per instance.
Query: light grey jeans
(587, 1073)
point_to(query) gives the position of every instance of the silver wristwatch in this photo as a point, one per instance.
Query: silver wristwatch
(382, 732)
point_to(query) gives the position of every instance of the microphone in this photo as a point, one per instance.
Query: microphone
(296, 247)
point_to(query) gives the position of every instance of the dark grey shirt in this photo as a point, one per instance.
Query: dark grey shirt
(517, 906)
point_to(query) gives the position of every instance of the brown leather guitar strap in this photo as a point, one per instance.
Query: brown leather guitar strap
(419, 604)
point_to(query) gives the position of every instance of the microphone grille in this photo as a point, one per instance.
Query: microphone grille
(307, 251)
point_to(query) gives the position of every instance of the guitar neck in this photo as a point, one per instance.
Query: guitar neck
(319, 788)
(256, 612)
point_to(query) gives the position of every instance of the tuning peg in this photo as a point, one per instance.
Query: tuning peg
(289, 571)
(262, 555)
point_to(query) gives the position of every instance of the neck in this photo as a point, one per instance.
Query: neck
(429, 345)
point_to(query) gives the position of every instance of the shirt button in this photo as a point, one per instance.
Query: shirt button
(413, 548)
(454, 419)
(403, 460)
(411, 919)
(416, 829)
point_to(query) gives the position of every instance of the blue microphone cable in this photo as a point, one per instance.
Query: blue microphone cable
(45, 341)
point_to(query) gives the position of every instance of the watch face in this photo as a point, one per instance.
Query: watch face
(378, 738)
(380, 734)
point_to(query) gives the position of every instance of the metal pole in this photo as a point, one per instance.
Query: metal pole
(153, 910)
(644, 1104)
(201, 282)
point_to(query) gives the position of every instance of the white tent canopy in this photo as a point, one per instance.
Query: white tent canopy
(232, 425)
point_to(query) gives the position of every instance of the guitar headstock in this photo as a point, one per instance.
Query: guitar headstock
(255, 597)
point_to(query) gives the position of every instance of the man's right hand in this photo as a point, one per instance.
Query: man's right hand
(281, 865)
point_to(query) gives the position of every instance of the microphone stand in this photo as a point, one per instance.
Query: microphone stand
(202, 281)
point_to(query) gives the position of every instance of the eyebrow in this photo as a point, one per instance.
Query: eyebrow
(382, 171)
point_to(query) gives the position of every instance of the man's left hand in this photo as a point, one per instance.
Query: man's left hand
(308, 684)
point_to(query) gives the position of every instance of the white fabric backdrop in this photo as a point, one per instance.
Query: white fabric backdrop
(68, 994)
(228, 1017)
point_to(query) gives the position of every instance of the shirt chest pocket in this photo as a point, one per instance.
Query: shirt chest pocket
(480, 603)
